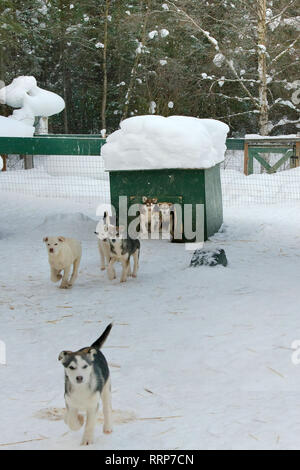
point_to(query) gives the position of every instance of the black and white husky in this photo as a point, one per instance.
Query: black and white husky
(122, 249)
(87, 379)
(114, 247)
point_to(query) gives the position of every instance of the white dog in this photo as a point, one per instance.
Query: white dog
(165, 209)
(103, 243)
(149, 217)
(62, 254)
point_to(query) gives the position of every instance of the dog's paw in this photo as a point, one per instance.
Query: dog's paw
(87, 441)
(103, 268)
(56, 277)
(111, 276)
(134, 275)
(64, 286)
(81, 420)
(107, 429)
(75, 424)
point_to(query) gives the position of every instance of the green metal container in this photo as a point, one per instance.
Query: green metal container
(177, 186)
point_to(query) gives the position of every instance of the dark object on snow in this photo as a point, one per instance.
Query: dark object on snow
(209, 258)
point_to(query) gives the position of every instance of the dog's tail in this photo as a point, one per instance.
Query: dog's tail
(100, 341)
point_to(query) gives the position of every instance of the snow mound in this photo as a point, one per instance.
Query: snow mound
(12, 128)
(156, 142)
(73, 165)
(257, 136)
(76, 225)
(31, 101)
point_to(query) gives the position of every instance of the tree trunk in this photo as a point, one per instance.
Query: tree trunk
(104, 97)
(262, 67)
(131, 85)
(3, 109)
(65, 86)
(63, 64)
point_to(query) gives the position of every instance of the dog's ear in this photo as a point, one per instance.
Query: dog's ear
(61, 239)
(92, 353)
(45, 239)
(63, 356)
(144, 199)
(155, 200)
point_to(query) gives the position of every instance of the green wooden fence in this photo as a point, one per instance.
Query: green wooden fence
(67, 145)
(257, 149)
(51, 145)
(91, 145)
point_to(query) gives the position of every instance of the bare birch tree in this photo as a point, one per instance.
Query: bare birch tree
(138, 54)
(257, 89)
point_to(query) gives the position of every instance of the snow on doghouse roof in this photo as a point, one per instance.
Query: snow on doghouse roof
(156, 142)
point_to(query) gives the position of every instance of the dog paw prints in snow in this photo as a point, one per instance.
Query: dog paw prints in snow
(57, 414)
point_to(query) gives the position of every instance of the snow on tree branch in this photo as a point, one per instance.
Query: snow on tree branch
(285, 50)
(215, 43)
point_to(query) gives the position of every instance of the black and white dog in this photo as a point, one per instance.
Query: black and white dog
(87, 379)
(122, 249)
(114, 247)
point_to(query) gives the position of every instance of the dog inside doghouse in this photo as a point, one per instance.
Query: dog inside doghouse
(159, 219)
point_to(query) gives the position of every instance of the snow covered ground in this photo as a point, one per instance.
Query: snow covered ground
(199, 357)
(276, 188)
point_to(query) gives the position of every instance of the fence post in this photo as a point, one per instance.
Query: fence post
(28, 162)
(4, 158)
(297, 154)
(246, 158)
(42, 127)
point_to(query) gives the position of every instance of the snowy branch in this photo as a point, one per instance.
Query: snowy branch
(253, 111)
(231, 80)
(279, 15)
(284, 69)
(286, 50)
(236, 98)
(283, 122)
(215, 44)
(287, 103)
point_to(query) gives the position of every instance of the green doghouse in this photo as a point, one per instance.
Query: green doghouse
(190, 179)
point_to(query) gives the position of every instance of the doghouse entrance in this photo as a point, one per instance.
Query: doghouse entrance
(160, 218)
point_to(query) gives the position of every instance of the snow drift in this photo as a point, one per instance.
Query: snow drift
(12, 128)
(75, 225)
(156, 142)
